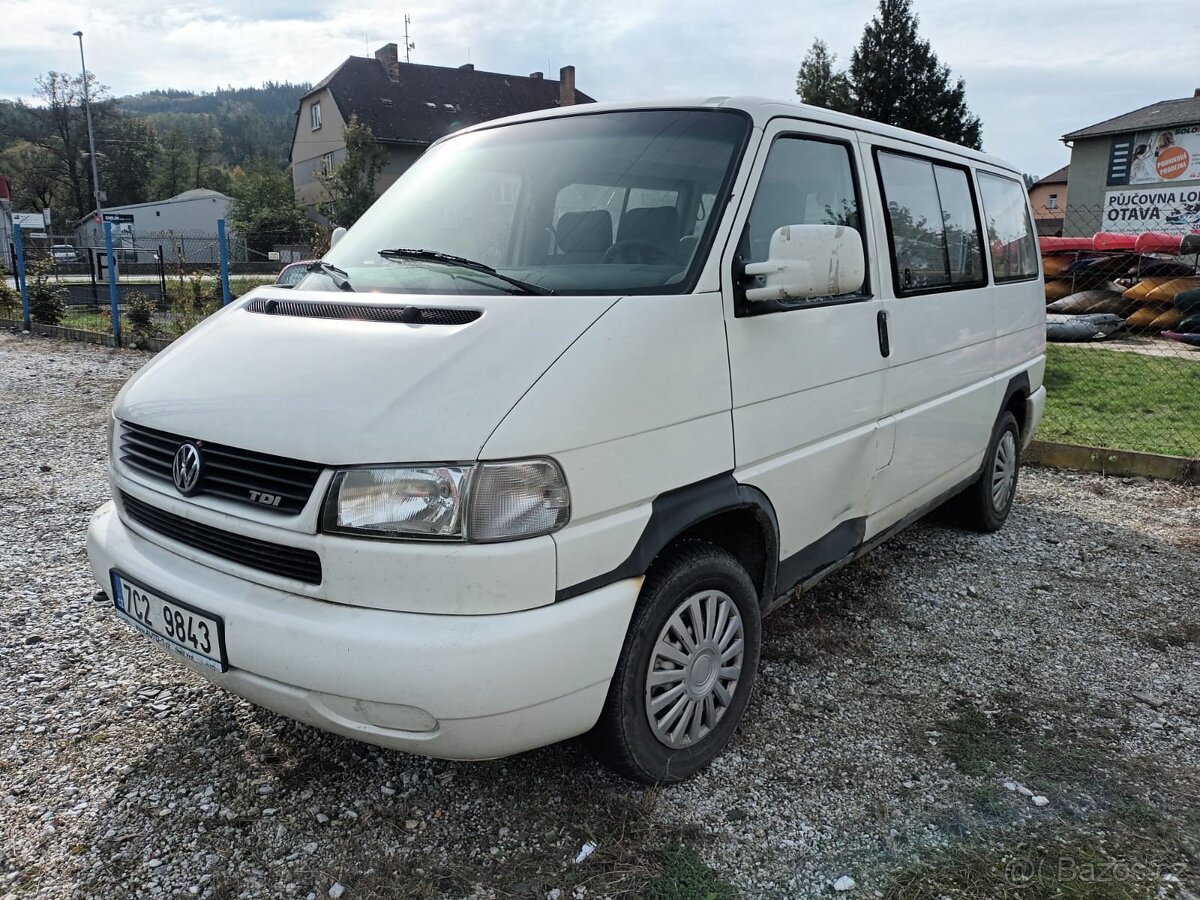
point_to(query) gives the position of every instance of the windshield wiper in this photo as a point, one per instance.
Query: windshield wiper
(340, 278)
(523, 287)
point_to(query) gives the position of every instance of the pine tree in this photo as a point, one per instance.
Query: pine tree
(819, 85)
(896, 78)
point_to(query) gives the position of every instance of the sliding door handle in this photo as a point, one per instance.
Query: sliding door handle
(885, 344)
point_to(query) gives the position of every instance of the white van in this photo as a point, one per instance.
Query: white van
(585, 395)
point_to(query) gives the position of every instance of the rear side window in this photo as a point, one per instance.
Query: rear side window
(1010, 236)
(932, 225)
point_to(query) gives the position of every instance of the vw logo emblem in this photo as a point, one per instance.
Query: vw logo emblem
(186, 468)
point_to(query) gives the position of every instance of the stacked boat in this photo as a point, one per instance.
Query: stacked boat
(1147, 284)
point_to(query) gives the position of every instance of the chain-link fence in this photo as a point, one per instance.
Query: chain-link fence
(1123, 326)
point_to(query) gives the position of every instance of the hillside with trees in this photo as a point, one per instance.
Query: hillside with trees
(148, 147)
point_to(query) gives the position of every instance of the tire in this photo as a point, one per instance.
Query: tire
(692, 591)
(984, 506)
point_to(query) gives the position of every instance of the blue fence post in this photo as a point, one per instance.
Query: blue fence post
(224, 250)
(112, 284)
(19, 246)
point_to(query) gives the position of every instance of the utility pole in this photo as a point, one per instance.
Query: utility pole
(87, 110)
(408, 45)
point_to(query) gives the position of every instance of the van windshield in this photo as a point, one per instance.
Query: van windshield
(605, 203)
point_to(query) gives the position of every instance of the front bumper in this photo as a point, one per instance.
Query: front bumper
(449, 686)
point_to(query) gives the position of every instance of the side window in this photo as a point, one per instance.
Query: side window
(314, 112)
(931, 223)
(805, 182)
(963, 248)
(1010, 237)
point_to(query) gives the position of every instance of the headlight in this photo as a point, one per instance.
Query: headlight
(488, 502)
(398, 502)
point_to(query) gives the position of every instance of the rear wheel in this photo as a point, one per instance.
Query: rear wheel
(685, 672)
(985, 505)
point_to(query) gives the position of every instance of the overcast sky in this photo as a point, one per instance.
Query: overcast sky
(1035, 69)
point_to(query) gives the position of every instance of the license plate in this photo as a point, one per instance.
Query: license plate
(178, 626)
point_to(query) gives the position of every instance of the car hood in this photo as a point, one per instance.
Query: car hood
(343, 391)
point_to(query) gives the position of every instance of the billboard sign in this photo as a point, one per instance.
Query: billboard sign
(1155, 157)
(29, 220)
(1172, 210)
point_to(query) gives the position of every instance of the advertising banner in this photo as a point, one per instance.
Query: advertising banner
(1172, 210)
(1155, 157)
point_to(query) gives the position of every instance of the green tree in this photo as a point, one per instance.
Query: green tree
(264, 209)
(818, 84)
(174, 164)
(127, 151)
(34, 176)
(896, 78)
(350, 185)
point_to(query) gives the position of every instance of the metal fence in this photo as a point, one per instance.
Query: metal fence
(136, 293)
(1123, 326)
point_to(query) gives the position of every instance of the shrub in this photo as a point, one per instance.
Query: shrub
(10, 298)
(139, 312)
(47, 298)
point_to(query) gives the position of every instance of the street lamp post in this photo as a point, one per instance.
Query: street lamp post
(87, 110)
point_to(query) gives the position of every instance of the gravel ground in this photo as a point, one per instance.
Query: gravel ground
(912, 713)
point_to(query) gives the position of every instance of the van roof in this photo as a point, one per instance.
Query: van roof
(761, 111)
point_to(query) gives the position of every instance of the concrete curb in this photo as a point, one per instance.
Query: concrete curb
(1113, 462)
(63, 333)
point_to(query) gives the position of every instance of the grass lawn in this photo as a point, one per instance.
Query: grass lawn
(1126, 401)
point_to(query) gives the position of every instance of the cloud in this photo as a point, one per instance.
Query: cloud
(1034, 70)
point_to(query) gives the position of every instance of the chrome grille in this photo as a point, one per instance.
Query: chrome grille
(257, 479)
(277, 559)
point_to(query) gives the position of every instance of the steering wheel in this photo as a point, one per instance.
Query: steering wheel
(638, 252)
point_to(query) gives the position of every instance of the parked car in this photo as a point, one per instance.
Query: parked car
(64, 253)
(292, 274)
(576, 404)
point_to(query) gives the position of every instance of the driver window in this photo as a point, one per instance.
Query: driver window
(805, 182)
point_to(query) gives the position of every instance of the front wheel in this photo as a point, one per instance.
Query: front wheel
(684, 675)
(985, 505)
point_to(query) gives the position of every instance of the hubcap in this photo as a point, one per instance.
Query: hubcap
(694, 668)
(1004, 471)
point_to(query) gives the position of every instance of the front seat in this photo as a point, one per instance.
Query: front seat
(657, 225)
(582, 237)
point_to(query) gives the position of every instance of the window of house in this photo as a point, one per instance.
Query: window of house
(314, 112)
(1009, 233)
(932, 225)
(1052, 202)
(326, 163)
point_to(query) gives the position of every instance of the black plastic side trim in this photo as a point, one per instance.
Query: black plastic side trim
(1018, 384)
(674, 512)
(821, 553)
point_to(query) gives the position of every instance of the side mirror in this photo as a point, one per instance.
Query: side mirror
(807, 261)
(338, 234)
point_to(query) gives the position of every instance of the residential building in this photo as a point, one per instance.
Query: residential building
(1137, 172)
(408, 106)
(144, 227)
(1048, 197)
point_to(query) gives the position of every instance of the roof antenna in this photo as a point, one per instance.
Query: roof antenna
(408, 45)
